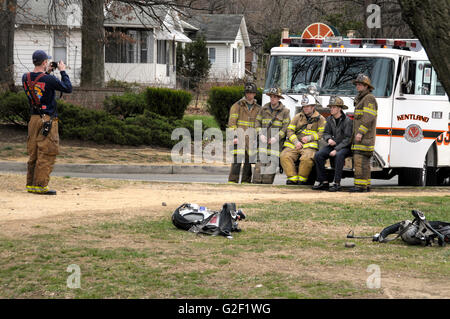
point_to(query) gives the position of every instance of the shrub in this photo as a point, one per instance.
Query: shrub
(14, 108)
(76, 122)
(167, 102)
(221, 99)
(126, 105)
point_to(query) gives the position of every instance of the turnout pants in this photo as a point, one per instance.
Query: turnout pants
(42, 151)
(235, 170)
(361, 160)
(259, 177)
(288, 158)
(339, 161)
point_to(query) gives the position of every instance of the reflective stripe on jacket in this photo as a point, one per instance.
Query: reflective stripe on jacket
(365, 122)
(278, 118)
(301, 126)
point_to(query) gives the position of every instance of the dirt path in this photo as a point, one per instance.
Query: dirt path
(77, 197)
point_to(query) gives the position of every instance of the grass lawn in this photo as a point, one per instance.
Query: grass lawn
(207, 120)
(286, 250)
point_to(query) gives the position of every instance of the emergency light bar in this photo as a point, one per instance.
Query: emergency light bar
(348, 43)
(301, 42)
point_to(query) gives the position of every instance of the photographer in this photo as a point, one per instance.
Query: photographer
(43, 137)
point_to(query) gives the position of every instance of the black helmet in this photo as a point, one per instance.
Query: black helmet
(250, 87)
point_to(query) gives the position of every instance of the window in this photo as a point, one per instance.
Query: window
(340, 71)
(59, 46)
(212, 55)
(293, 74)
(234, 55)
(422, 79)
(162, 52)
(143, 41)
(129, 46)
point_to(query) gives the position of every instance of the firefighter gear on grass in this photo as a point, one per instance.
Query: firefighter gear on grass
(312, 127)
(268, 119)
(365, 122)
(243, 115)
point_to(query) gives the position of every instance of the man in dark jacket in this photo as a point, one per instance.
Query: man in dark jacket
(337, 136)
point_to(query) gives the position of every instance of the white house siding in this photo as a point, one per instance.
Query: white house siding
(129, 72)
(144, 73)
(27, 40)
(224, 68)
(220, 69)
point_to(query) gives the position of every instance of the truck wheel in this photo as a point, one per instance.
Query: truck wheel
(412, 176)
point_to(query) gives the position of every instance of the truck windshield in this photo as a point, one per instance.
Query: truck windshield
(341, 71)
(293, 74)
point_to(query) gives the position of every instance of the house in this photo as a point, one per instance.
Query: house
(226, 37)
(138, 48)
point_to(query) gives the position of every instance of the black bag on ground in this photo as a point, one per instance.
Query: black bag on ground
(199, 219)
(417, 232)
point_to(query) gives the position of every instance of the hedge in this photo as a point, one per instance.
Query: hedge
(76, 122)
(167, 102)
(126, 105)
(162, 101)
(220, 100)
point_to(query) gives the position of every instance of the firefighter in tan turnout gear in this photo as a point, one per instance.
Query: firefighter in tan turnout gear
(303, 134)
(364, 132)
(274, 117)
(242, 116)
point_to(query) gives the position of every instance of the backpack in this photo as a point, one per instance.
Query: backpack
(200, 220)
(417, 232)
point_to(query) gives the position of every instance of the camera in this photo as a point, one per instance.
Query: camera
(54, 65)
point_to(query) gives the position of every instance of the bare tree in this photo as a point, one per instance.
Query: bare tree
(7, 22)
(429, 20)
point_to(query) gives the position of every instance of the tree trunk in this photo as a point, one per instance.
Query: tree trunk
(429, 20)
(7, 21)
(93, 44)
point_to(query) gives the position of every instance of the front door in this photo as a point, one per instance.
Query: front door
(420, 114)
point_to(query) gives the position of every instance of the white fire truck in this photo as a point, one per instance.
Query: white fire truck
(413, 123)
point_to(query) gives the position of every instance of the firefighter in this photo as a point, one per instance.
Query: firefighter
(43, 138)
(273, 117)
(364, 132)
(242, 116)
(338, 137)
(303, 134)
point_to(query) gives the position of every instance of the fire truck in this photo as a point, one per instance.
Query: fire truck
(413, 123)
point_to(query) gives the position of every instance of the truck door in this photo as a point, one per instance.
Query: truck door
(420, 115)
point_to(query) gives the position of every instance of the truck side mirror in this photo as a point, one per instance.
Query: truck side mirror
(405, 71)
(404, 77)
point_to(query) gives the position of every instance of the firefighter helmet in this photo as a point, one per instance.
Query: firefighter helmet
(308, 99)
(276, 92)
(337, 101)
(250, 87)
(363, 79)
